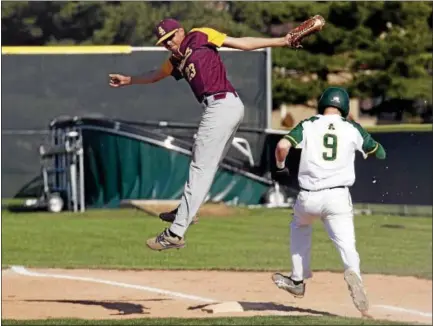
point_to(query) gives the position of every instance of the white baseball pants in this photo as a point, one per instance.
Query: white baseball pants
(220, 121)
(334, 208)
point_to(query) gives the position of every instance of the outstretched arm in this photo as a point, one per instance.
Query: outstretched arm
(241, 43)
(153, 76)
(254, 43)
(118, 80)
(150, 77)
(292, 39)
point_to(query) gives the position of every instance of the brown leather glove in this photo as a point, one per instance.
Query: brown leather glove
(310, 26)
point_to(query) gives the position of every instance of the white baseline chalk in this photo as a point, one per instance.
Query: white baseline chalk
(408, 311)
(23, 271)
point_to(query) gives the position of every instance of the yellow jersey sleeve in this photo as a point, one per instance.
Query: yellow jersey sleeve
(213, 36)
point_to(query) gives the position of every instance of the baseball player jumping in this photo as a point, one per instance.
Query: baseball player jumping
(194, 57)
(326, 171)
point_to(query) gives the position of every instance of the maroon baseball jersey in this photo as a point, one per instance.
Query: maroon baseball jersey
(200, 64)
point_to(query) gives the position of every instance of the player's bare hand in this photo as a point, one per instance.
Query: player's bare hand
(117, 80)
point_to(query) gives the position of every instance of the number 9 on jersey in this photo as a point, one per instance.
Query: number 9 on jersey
(330, 144)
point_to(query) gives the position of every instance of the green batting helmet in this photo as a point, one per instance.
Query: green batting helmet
(335, 97)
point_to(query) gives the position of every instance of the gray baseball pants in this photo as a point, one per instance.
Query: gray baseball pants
(220, 121)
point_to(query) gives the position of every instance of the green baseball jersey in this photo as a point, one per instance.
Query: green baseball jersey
(328, 144)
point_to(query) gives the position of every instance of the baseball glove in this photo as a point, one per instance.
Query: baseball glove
(310, 26)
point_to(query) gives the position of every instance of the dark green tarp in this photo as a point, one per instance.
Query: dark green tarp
(119, 167)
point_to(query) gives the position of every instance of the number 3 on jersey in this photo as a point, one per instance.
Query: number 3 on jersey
(190, 71)
(330, 143)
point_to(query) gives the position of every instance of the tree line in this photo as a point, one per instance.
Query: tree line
(372, 48)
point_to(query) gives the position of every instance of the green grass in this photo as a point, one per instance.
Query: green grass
(252, 240)
(394, 209)
(268, 320)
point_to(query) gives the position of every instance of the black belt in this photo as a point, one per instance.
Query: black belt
(218, 96)
(324, 188)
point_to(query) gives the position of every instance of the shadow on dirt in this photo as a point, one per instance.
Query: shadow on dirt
(271, 306)
(123, 307)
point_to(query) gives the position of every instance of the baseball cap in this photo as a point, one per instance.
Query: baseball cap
(165, 29)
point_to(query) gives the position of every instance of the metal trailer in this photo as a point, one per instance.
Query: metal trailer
(62, 168)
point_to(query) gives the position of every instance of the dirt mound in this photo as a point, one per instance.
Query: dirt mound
(155, 207)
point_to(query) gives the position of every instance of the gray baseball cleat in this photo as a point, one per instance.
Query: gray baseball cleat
(357, 291)
(164, 241)
(286, 283)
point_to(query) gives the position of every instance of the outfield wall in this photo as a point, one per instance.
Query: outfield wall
(42, 83)
(404, 178)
